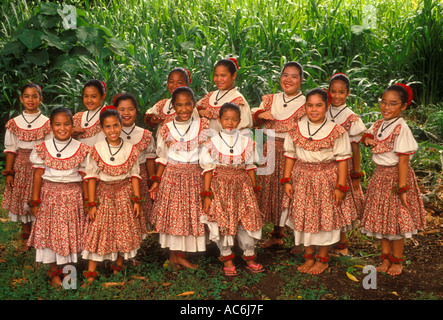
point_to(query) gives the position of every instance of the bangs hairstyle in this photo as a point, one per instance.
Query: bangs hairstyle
(322, 93)
(181, 90)
(183, 72)
(229, 106)
(126, 96)
(32, 85)
(340, 77)
(59, 110)
(109, 112)
(293, 64)
(97, 84)
(402, 92)
(229, 64)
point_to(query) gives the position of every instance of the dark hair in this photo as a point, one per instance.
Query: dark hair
(293, 64)
(340, 77)
(126, 96)
(402, 92)
(229, 64)
(109, 112)
(59, 110)
(180, 90)
(322, 93)
(32, 85)
(97, 84)
(182, 71)
(229, 106)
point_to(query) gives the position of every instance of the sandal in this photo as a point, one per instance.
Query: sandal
(230, 272)
(255, 268)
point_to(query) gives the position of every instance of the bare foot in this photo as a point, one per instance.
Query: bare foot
(56, 282)
(271, 242)
(306, 265)
(88, 282)
(185, 263)
(318, 268)
(384, 266)
(395, 269)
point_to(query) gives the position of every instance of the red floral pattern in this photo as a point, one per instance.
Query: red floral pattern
(62, 164)
(90, 131)
(118, 169)
(281, 125)
(28, 134)
(204, 104)
(176, 145)
(386, 144)
(244, 157)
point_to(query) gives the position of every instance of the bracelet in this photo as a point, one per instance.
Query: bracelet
(155, 179)
(342, 188)
(256, 114)
(91, 204)
(137, 199)
(34, 203)
(357, 175)
(400, 190)
(8, 173)
(285, 180)
(207, 194)
(258, 188)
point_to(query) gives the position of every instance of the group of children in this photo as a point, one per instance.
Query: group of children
(93, 183)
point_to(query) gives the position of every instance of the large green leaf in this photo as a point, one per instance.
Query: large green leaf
(86, 34)
(38, 57)
(31, 38)
(49, 9)
(54, 41)
(14, 47)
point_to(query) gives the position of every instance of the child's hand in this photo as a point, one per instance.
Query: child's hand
(92, 213)
(356, 184)
(206, 204)
(76, 131)
(10, 182)
(34, 211)
(267, 115)
(137, 209)
(371, 142)
(155, 119)
(204, 113)
(154, 189)
(289, 190)
(404, 200)
(338, 196)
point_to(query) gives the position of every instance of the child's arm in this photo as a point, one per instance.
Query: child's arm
(289, 165)
(136, 189)
(251, 174)
(342, 177)
(36, 187)
(10, 159)
(150, 167)
(403, 165)
(356, 161)
(92, 183)
(207, 179)
(154, 187)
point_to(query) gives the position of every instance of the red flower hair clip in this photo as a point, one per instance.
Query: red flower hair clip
(104, 85)
(108, 108)
(115, 98)
(189, 75)
(408, 90)
(235, 61)
(329, 97)
(339, 73)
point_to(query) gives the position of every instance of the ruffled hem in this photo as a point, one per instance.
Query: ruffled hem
(62, 164)
(386, 144)
(28, 135)
(176, 145)
(89, 131)
(47, 256)
(182, 243)
(115, 170)
(109, 256)
(225, 159)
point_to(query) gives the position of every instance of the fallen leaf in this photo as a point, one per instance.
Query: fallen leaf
(112, 284)
(350, 276)
(165, 284)
(138, 277)
(187, 293)
(2, 260)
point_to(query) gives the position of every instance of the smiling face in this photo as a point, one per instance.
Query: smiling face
(112, 129)
(61, 126)
(31, 100)
(391, 105)
(175, 80)
(290, 80)
(184, 106)
(316, 108)
(339, 93)
(92, 99)
(229, 120)
(223, 79)
(128, 112)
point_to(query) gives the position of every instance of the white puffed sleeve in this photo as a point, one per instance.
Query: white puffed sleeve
(246, 116)
(135, 170)
(342, 147)
(260, 108)
(289, 147)
(151, 149)
(205, 160)
(36, 161)
(91, 168)
(405, 142)
(251, 162)
(11, 142)
(162, 152)
(356, 131)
